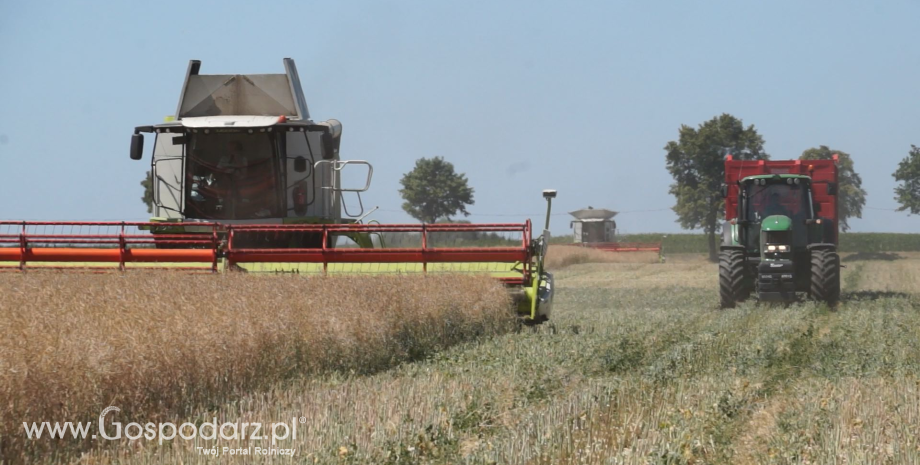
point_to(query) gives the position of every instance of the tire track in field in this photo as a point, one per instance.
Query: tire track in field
(695, 378)
(751, 433)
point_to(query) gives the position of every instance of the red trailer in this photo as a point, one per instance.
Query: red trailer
(823, 174)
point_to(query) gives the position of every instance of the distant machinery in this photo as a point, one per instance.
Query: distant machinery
(595, 228)
(593, 225)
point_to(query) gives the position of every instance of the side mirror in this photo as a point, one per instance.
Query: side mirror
(332, 138)
(832, 188)
(724, 190)
(330, 146)
(137, 146)
(300, 164)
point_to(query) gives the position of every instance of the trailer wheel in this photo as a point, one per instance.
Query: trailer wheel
(734, 282)
(825, 276)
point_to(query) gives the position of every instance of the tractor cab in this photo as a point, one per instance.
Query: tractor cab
(777, 207)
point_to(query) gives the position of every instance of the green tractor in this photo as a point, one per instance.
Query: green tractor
(780, 237)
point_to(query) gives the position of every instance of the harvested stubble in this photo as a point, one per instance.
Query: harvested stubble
(159, 344)
(561, 256)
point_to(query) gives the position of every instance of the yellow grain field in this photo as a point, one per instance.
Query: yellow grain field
(161, 344)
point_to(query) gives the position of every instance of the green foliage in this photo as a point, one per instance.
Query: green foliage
(849, 242)
(671, 243)
(147, 184)
(451, 238)
(433, 446)
(433, 190)
(851, 194)
(879, 242)
(908, 172)
(696, 161)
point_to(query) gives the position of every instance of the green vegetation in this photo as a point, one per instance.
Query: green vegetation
(434, 191)
(696, 161)
(147, 198)
(908, 174)
(849, 242)
(852, 196)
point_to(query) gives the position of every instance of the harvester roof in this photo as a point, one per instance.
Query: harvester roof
(249, 100)
(593, 214)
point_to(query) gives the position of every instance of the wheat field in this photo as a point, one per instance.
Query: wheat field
(637, 366)
(160, 345)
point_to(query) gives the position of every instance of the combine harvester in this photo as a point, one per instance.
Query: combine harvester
(595, 228)
(244, 179)
(780, 237)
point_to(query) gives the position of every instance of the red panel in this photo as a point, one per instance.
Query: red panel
(416, 255)
(822, 172)
(72, 254)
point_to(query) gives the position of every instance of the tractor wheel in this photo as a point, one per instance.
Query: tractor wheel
(734, 282)
(825, 276)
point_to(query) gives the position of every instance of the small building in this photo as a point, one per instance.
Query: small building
(594, 225)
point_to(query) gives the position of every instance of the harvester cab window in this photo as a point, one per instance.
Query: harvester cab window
(231, 176)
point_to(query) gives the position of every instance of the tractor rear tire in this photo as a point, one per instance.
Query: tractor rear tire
(825, 276)
(734, 280)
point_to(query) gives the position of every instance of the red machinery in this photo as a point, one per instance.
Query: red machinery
(823, 175)
(242, 178)
(126, 245)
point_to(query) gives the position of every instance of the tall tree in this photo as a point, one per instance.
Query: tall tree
(908, 172)
(433, 190)
(851, 195)
(147, 184)
(696, 161)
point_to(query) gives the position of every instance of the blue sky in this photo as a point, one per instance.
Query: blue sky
(520, 96)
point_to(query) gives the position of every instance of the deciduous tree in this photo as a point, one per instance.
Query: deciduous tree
(697, 162)
(908, 173)
(433, 190)
(851, 196)
(147, 184)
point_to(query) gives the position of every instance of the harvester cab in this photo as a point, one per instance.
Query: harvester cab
(596, 228)
(780, 234)
(244, 180)
(242, 148)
